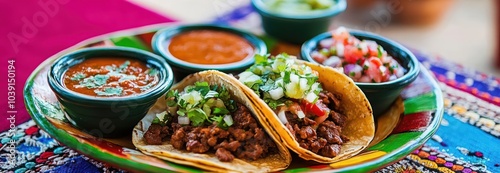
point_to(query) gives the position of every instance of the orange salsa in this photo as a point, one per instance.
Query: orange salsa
(210, 47)
(110, 77)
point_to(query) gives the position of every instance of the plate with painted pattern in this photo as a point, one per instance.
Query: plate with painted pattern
(409, 123)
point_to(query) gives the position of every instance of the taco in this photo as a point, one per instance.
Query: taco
(208, 122)
(318, 112)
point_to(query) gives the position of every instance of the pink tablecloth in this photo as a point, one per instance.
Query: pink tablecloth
(31, 31)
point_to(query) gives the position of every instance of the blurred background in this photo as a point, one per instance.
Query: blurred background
(463, 31)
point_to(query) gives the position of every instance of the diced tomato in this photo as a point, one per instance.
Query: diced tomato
(352, 54)
(376, 61)
(318, 109)
(373, 72)
(372, 51)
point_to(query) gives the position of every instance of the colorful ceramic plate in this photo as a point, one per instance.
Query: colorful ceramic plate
(411, 120)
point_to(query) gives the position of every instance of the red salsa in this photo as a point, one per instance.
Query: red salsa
(110, 77)
(210, 47)
(361, 60)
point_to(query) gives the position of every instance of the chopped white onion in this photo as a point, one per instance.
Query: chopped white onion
(333, 61)
(228, 119)
(243, 76)
(292, 90)
(294, 78)
(183, 120)
(326, 43)
(382, 69)
(282, 117)
(303, 84)
(251, 79)
(387, 59)
(277, 93)
(301, 114)
(315, 86)
(192, 97)
(340, 49)
(279, 82)
(364, 47)
(311, 97)
(393, 77)
(400, 72)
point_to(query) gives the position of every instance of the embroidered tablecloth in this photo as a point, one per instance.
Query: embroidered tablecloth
(467, 141)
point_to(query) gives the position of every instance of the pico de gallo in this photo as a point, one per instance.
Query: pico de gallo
(293, 91)
(362, 60)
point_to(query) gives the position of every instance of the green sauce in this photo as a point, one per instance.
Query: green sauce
(298, 6)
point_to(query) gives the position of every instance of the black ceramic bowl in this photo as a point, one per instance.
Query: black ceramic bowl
(107, 116)
(380, 95)
(297, 28)
(161, 41)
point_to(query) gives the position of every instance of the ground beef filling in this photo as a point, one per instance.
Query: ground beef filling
(244, 139)
(325, 138)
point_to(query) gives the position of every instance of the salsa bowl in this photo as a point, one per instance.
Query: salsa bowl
(108, 100)
(194, 48)
(380, 94)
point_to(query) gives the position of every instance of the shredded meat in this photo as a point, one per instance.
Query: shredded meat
(330, 132)
(324, 138)
(330, 150)
(244, 139)
(153, 136)
(224, 155)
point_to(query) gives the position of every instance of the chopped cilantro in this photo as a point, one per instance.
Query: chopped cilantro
(365, 67)
(201, 102)
(219, 120)
(127, 77)
(281, 78)
(110, 91)
(181, 112)
(197, 116)
(211, 94)
(380, 51)
(352, 74)
(94, 81)
(333, 50)
(161, 118)
(230, 105)
(220, 111)
(391, 69)
(123, 66)
(286, 78)
(78, 76)
(324, 52)
(261, 59)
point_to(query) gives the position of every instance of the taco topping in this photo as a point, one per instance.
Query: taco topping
(203, 118)
(292, 90)
(362, 60)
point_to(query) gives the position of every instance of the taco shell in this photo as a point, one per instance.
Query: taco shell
(208, 161)
(359, 127)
